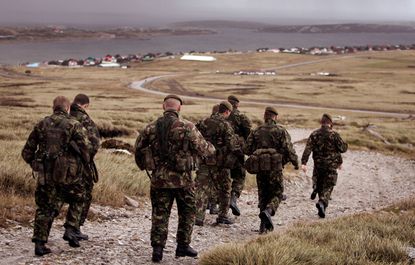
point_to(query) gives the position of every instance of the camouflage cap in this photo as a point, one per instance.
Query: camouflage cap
(233, 98)
(326, 118)
(175, 97)
(226, 104)
(272, 110)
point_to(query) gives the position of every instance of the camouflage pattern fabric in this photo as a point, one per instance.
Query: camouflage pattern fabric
(270, 183)
(210, 182)
(242, 125)
(270, 190)
(162, 201)
(55, 188)
(182, 135)
(219, 132)
(93, 135)
(167, 183)
(326, 146)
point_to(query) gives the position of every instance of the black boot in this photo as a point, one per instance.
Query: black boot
(224, 220)
(70, 236)
(321, 209)
(234, 206)
(185, 250)
(266, 219)
(80, 235)
(262, 229)
(157, 254)
(41, 249)
(199, 222)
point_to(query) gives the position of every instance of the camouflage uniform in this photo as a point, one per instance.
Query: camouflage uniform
(93, 135)
(218, 131)
(327, 146)
(242, 127)
(270, 183)
(171, 139)
(58, 178)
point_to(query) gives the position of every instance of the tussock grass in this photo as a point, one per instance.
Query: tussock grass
(378, 238)
(108, 130)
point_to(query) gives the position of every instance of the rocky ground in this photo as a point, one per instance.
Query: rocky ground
(368, 181)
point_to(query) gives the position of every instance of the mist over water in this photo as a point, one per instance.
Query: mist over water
(235, 39)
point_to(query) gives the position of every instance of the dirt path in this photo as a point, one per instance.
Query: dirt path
(367, 182)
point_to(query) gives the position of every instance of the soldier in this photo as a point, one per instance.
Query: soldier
(215, 169)
(242, 127)
(54, 150)
(270, 148)
(167, 147)
(327, 146)
(78, 111)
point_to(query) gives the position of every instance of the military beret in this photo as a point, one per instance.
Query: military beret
(226, 104)
(326, 117)
(233, 98)
(175, 97)
(272, 110)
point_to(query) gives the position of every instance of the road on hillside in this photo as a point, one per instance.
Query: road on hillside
(142, 85)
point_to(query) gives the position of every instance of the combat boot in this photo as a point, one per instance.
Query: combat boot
(70, 236)
(224, 220)
(321, 209)
(213, 208)
(266, 219)
(283, 197)
(41, 249)
(234, 206)
(313, 195)
(80, 235)
(199, 222)
(184, 250)
(262, 229)
(157, 254)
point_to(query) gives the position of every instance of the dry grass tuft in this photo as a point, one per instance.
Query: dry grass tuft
(379, 238)
(108, 130)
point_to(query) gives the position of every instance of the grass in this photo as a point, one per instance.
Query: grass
(378, 238)
(120, 111)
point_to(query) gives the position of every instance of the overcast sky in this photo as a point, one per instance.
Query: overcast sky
(157, 12)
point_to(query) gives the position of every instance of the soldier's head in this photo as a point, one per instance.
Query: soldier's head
(61, 103)
(215, 109)
(234, 101)
(326, 120)
(270, 114)
(225, 109)
(81, 100)
(172, 102)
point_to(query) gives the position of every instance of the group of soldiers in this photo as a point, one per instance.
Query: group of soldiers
(172, 147)
(61, 148)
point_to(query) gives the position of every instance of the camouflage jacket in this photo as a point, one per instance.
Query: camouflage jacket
(218, 131)
(183, 141)
(327, 146)
(272, 135)
(241, 124)
(93, 134)
(36, 145)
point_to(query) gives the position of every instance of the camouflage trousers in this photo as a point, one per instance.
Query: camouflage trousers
(162, 202)
(89, 186)
(49, 200)
(270, 190)
(212, 182)
(238, 175)
(325, 179)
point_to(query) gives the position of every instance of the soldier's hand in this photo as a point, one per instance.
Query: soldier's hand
(304, 168)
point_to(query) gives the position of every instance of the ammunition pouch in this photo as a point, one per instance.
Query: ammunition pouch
(39, 172)
(185, 164)
(266, 159)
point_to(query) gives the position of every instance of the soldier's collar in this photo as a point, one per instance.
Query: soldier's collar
(168, 112)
